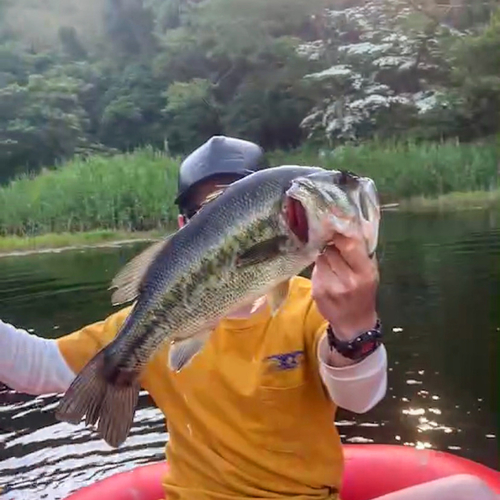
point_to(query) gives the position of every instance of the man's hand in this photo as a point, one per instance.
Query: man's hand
(344, 287)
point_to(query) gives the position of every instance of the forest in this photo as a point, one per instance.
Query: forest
(109, 82)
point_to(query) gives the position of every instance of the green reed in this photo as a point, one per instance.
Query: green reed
(125, 192)
(135, 191)
(405, 170)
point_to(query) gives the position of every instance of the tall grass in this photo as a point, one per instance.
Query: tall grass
(135, 192)
(125, 192)
(405, 170)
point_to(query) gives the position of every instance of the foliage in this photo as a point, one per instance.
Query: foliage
(475, 94)
(125, 192)
(245, 55)
(41, 119)
(390, 70)
(135, 191)
(407, 169)
(111, 76)
(193, 113)
(386, 68)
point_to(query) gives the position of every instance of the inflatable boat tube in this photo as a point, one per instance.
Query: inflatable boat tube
(371, 470)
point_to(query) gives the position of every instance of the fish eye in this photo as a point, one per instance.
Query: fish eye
(347, 177)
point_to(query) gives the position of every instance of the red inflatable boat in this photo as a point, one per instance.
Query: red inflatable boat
(371, 470)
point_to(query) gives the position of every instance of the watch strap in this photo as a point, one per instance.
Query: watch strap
(358, 348)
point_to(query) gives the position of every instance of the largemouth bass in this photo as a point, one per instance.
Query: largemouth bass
(246, 242)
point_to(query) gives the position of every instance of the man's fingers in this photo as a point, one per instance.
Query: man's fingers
(352, 250)
(335, 262)
(326, 279)
(323, 266)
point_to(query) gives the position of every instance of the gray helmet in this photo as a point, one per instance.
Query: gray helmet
(218, 156)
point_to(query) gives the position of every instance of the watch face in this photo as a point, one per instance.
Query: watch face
(368, 347)
(360, 350)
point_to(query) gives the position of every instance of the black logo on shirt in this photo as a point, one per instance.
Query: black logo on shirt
(285, 360)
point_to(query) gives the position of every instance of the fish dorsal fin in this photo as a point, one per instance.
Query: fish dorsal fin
(128, 280)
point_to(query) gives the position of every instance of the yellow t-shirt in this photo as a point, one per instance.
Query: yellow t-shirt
(249, 416)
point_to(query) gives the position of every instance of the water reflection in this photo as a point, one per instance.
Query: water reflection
(439, 299)
(44, 458)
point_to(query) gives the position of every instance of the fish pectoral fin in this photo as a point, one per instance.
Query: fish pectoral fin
(262, 251)
(128, 280)
(277, 296)
(182, 351)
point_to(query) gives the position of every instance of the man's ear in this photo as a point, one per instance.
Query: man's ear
(181, 220)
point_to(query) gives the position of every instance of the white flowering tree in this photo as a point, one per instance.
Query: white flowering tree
(383, 71)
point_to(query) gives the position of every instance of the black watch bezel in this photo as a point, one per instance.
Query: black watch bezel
(360, 347)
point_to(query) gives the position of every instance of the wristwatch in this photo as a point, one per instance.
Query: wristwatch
(360, 347)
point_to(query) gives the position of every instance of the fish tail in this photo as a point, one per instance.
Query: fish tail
(106, 396)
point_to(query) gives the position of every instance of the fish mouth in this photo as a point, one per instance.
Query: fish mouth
(297, 218)
(369, 206)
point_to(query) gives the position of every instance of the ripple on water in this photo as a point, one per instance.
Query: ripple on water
(77, 456)
(451, 272)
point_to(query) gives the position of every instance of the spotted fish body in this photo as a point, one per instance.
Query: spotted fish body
(245, 243)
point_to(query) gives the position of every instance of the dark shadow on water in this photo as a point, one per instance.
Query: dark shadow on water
(439, 299)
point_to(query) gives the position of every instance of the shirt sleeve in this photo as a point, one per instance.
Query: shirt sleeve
(358, 387)
(34, 365)
(31, 364)
(79, 347)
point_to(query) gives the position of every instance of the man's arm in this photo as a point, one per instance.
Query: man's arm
(35, 365)
(357, 387)
(344, 288)
(354, 386)
(31, 364)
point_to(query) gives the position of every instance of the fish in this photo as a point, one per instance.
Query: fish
(246, 242)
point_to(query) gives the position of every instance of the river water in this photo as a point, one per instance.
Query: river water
(439, 300)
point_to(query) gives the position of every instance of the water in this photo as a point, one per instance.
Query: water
(439, 299)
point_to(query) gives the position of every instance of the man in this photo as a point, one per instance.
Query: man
(253, 414)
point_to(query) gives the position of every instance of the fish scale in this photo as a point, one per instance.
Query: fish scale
(242, 245)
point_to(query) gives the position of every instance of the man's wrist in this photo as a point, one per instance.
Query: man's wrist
(359, 346)
(349, 330)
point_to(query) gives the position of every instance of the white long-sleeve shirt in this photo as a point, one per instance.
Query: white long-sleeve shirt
(34, 365)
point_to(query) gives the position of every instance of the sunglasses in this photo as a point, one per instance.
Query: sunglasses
(190, 211)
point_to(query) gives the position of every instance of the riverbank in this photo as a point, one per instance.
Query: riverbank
(105, 200)
(17, 245)
(453, 202)
(24, 245)
(134, 192)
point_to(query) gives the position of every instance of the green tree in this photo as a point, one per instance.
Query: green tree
(383, 69)
(476, 81)
(192, 113)
(132, 109)
(113, 75)
(40, 122)
(129, 28)
(247, 51)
